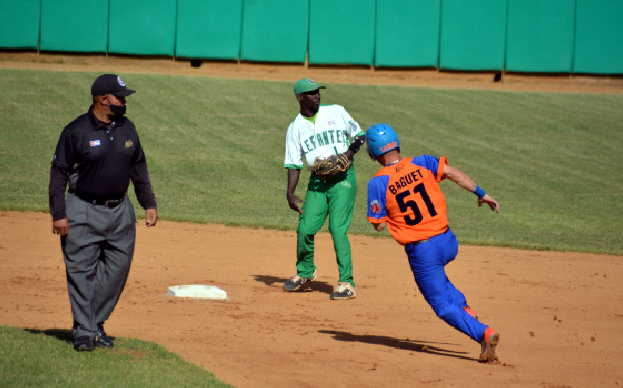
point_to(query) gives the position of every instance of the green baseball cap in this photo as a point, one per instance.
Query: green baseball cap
(306, 85)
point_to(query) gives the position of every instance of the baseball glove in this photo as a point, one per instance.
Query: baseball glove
(333, 165)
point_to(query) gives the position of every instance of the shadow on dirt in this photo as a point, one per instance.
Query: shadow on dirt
(63, 335)
(414, 346)
(270, 280)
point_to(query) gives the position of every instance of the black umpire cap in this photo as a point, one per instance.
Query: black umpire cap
(110, 84)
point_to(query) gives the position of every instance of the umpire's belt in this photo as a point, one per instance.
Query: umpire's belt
(110, 203)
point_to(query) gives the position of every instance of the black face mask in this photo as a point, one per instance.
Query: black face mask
(117, 110)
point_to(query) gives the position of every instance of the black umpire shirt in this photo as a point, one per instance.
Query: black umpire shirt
(105, 157)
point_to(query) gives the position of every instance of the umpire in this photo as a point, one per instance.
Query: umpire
(97, 155)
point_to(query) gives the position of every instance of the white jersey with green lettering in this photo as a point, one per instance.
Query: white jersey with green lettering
(329, 132)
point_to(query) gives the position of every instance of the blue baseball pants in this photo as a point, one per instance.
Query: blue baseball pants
(427, 260)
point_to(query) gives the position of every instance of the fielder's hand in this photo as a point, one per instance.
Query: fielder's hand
(357, 143)
(294, 201)
(489, 200)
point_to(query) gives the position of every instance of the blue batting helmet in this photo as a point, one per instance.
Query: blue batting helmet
(381, 138)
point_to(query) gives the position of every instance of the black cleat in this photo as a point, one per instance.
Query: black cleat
(84, 344)
(102, 339)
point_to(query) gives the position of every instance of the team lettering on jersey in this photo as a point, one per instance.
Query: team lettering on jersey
(405, 180)
(408, 198)
(323, 138)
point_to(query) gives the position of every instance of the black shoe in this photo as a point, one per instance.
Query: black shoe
(102, 339)
(84, 344)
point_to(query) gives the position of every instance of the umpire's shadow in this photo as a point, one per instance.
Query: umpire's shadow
(414, 346)
(63, 335)
(316, 285)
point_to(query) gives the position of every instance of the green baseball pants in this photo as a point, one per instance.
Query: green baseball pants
(334, 198)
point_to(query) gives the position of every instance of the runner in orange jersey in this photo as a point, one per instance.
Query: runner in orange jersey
(405, 195)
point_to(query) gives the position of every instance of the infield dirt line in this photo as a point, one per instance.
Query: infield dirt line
(336, 74)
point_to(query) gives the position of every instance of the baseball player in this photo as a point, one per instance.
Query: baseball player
(317, 133)
(405, 195)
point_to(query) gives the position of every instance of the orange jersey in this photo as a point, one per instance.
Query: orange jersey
(408, 198)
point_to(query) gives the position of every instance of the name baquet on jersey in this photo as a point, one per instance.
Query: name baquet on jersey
(408, 198)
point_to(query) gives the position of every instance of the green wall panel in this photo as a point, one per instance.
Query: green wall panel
(74, 25)
(144, 27)
(19, 23)
(407, 33)
(275, 30)
(208, 29)
(578, 36)
(341, 32)
(472, 34)
(540, 35)
(599, 37)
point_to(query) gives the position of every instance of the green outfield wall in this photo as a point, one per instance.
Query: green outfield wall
(407, 33)
(599, 37)
(208, 29)
(143, 27)
(341, 32)
(20, 23)
(63, 25)
(540, 35)
(553, 36)
(472, 37)
(275, 30)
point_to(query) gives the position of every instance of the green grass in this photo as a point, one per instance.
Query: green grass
(33, 358)
(215, 150)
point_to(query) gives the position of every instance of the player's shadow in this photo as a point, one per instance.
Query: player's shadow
(414, 346)
(63, 335)
(316, 285)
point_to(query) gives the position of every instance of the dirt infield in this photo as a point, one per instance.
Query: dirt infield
(560, 315)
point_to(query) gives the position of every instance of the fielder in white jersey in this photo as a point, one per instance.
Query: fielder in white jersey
(319, 132)
(330, 132)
